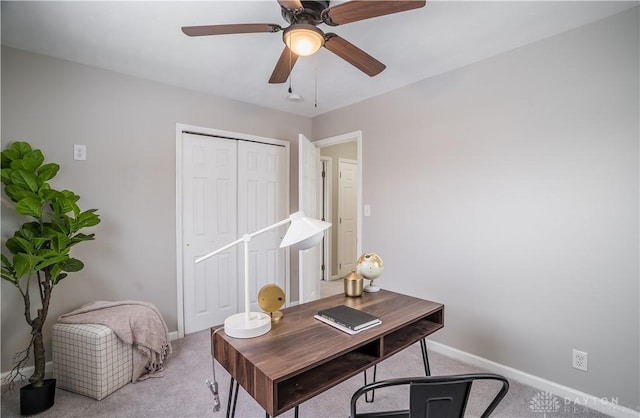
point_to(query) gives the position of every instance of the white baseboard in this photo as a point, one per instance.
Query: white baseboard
(606, 406)
(28, 371)
(173, 335)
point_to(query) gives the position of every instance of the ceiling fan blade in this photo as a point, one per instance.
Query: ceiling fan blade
(360, 9)
(229, 29)
(283, 67)
(353, 55)
(291, 4)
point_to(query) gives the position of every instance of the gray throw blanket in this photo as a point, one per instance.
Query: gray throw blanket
(137, 323)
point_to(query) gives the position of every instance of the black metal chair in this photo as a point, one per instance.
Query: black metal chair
(433, 396)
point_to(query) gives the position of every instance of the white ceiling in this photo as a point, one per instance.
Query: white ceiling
(144, 39)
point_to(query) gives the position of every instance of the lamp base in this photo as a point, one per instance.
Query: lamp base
(237, 326)
(371, 289)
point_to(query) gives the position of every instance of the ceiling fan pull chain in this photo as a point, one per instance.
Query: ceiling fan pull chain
(290, 72)
(315, 98)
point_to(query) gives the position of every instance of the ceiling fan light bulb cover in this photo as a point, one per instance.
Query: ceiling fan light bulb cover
(303, 39)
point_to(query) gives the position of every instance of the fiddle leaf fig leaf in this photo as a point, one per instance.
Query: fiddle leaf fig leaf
(25, 164)
(80, 238)
(17, 193)
(24, 264)
(49, 261)
(30, 206)
(48, 194)
(21, 148)
(24, 178)
(7, 271)
(60, 242)
(8, 155)
(36, 156)
(5, 260)
(71, 265)
(4, 174)
(88, 218)
(48, 171)
(21, 244)
(59, 276)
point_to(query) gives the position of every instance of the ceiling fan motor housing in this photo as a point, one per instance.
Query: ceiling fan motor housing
(303, 37)
(311, 14)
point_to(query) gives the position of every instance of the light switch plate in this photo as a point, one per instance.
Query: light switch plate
(79, 152)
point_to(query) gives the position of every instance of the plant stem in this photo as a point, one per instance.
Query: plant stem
(39, 359)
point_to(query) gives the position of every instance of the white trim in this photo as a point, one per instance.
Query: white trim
(179, 256)
(583, 399)
(327, 207)
(340, 139)
(180, 128)
(28, 371)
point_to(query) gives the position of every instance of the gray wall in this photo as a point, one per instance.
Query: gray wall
(129, 128)
(508, 190)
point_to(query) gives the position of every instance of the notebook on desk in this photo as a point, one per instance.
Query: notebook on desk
(348, 319)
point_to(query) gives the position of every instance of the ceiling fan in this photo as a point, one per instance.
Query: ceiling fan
(303, 37)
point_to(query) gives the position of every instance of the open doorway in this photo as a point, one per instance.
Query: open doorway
(342, 199)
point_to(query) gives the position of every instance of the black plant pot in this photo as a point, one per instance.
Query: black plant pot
(34, 400)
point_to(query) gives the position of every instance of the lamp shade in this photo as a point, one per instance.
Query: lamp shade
(304, 232)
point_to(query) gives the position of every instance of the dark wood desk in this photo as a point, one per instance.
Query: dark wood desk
(302, 357)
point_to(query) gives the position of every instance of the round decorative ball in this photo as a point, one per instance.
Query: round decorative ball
(370, 266)
(271, 298)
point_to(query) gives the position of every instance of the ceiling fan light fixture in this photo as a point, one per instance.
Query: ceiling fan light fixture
(303, 39)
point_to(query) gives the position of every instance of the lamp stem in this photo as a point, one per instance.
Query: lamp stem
(247, 307)
(282, 222)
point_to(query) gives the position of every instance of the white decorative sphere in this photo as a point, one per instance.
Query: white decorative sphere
(369, 266)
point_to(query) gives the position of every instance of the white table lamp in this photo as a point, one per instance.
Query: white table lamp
(303, 233)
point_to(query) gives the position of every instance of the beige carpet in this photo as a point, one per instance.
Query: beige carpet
(183, 393)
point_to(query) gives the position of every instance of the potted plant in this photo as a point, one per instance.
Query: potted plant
(39, 255)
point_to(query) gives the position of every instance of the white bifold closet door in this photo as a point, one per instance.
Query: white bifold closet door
(230, 187)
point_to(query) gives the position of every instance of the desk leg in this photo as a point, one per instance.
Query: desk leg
(373, 392)
(233, 393)
(425, 357)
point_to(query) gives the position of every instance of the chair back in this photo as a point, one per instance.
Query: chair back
(438, 399)
(433, 396)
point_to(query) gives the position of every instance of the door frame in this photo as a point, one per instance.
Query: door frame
(185, 128)
(326, 206)
(340, 139)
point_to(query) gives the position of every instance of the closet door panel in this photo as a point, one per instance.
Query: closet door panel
(209, 184)
(262, 182)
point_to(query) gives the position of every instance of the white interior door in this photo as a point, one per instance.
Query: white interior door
(347, 215)
(209, 184)
(262, 201)
(308, 192)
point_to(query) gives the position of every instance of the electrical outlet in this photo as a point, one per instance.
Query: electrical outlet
(580, 360)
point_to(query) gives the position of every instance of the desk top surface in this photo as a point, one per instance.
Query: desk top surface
(299, 341)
